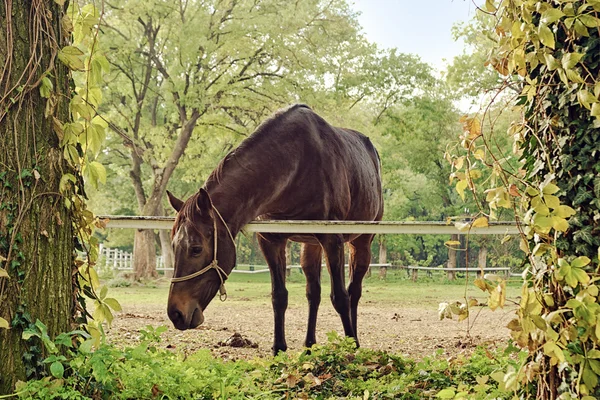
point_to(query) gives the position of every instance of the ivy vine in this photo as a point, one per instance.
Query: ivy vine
(550, 50)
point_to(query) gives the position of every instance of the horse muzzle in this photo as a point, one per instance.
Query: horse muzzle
(188, 319)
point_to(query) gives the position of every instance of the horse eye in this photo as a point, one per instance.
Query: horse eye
(196, 251)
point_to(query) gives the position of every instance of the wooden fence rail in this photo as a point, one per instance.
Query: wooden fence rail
(381, 227)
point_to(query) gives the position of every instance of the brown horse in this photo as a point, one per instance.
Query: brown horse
(294, 167)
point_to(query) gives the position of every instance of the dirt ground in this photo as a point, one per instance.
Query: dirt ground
(413, 332)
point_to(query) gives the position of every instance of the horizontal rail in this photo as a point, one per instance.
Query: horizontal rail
(342, 227)
(458, 269)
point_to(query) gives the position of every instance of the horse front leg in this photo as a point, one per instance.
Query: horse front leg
(360, 258)
(310, 260)
(273, 248)
(333, 245)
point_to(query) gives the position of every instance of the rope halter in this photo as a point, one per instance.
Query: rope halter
(214, 264)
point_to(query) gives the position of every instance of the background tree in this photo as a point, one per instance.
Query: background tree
(199, 69)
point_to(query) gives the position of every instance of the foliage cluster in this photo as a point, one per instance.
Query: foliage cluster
(336, 369)
(548, 50)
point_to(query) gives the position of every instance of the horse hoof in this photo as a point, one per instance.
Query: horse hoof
(276, 349)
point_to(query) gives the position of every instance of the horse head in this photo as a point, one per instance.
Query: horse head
(204, 255)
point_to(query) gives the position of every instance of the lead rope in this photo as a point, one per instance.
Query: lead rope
(215, 263)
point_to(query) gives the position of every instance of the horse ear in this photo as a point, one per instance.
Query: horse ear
(204, 203)
(175, 202)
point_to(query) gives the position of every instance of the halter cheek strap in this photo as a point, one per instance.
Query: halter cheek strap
(214, 264)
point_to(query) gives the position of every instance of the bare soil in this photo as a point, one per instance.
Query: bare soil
(414, 332)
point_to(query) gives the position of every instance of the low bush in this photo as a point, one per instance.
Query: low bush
(334, 370)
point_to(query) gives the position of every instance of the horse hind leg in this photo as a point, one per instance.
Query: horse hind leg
(360, 258)
(333, 245)
(310, 260)
(273, 248)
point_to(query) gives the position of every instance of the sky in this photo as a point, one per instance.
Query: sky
(413, 26)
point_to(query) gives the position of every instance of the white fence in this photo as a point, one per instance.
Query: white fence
(117, 260)
(120, 260)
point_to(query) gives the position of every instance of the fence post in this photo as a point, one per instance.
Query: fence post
(114, 259)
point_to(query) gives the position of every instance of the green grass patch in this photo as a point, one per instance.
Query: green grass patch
(397, 289)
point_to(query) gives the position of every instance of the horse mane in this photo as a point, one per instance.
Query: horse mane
(186, 213)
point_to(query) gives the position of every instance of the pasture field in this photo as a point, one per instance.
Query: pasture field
(396, 315)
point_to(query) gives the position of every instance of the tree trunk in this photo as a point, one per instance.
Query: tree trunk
(36, 235)
(482, 259)
(382, 258)
(144, 254)
(452, 257)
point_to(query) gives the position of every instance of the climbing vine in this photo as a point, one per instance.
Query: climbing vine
(550, 52)
(80, 132)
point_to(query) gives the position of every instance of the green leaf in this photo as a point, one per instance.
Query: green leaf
(57, 369)
(580, 275)
(551, 62)
(550, 188)
(590, 378)
(72, 57)
(560, 224)
(113, 303)
(552, 350)
(96, 173)
(46, 87)
(552, 15)
(546, 36)
(580, 262)
(589, 20)
(64, 180)
(103, 292)
(446, 393)
(574, 76)
(581, 29)
(569, 60)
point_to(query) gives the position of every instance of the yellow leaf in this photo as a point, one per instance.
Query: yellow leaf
(3, 273)
(479, 154)
(595, 110)
(462, 226)
(552, 201)
(480, 222)
(550, 188)
(452, 243)
(4, 324)
(564, 212)
(460, 188)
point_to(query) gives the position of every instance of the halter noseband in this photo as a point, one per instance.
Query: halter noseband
(214, 264)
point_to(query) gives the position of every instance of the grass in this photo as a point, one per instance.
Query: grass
(396, 290)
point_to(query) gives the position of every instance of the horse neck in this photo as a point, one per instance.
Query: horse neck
(240, 195)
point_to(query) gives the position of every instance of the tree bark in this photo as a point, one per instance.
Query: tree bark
(482, 259)
(36, 234)
(452, 257)
(144, 254)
